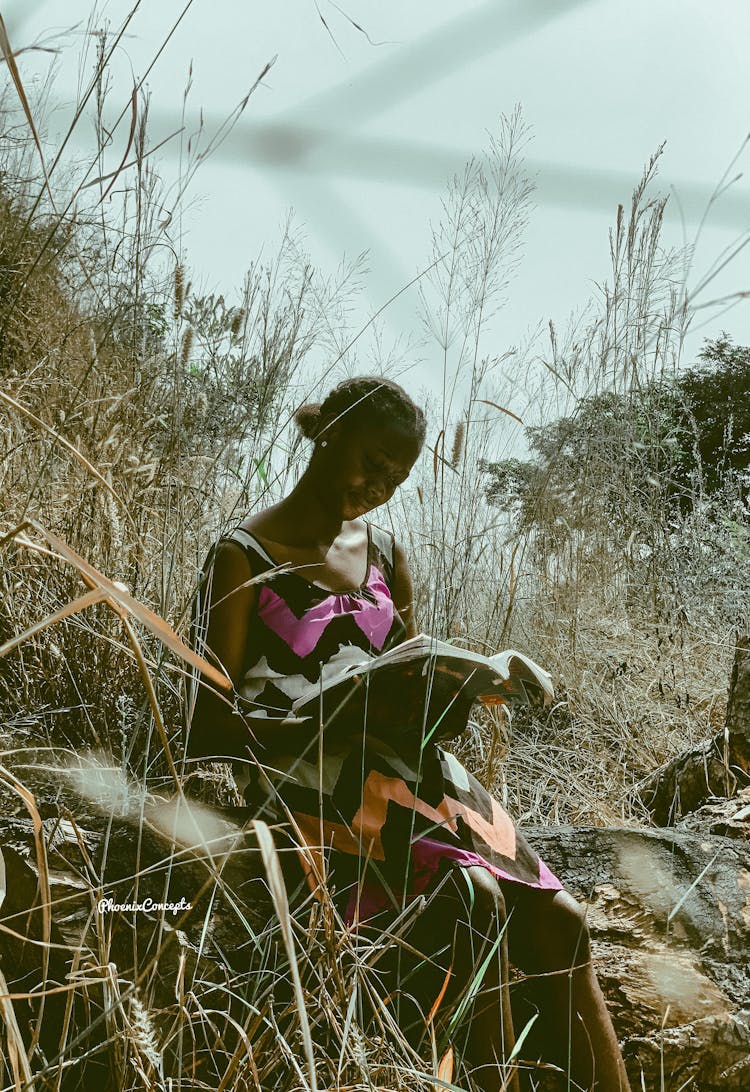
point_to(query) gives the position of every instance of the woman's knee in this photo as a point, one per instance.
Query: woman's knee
(569, 933)
(464, 913)
(483, 896)
(469, 898)
(548, 932)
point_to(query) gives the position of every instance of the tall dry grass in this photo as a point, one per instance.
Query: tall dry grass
(630, 602)
(138, 419)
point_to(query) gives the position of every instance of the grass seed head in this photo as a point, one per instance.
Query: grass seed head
(179, 290)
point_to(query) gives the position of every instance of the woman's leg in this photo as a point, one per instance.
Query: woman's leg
(548, 940)
(491, 1038)
(464, 960)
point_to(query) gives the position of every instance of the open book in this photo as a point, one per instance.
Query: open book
(423, 688)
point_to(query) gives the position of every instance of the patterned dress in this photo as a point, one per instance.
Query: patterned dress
(381, 817)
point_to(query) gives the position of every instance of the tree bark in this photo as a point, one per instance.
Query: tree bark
(718, 767)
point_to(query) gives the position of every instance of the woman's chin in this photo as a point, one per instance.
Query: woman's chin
(355, 509)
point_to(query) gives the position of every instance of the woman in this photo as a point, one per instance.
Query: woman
(396, 819)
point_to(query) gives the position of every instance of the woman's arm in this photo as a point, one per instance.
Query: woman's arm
(402, 591)
(215, 729)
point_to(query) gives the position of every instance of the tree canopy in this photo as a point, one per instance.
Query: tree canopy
(672, 442)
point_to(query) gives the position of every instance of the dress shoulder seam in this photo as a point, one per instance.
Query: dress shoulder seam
(249, 544)
(383, 543)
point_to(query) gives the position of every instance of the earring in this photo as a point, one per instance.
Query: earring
(324, 443)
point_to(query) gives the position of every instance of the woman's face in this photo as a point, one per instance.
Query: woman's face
(364, 464)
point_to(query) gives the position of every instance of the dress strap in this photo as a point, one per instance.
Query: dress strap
(382, 546)
(250, 544)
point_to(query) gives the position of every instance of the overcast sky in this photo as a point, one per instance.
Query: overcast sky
(369, 108)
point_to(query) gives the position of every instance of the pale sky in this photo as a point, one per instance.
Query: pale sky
(368, 126)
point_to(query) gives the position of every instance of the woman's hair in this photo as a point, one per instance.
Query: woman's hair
(365, 398)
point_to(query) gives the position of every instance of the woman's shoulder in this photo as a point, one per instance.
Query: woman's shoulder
(261, 523)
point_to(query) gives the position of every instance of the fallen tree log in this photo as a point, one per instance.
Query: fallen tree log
(669, 912)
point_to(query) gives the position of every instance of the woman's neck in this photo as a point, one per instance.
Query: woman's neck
(306, 516)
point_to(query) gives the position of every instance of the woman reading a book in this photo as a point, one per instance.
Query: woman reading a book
(305, 588)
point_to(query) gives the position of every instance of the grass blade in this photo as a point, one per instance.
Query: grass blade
(19, 1063)
(15, 75)
(87, 600)
(502, 409)
(281, 905)
(133, 121)
(126, 603)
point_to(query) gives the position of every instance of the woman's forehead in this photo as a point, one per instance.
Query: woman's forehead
(388, 439)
